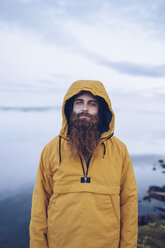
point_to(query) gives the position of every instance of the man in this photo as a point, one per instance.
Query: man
(85, 194)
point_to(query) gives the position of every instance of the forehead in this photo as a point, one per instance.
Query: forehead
(86, 95)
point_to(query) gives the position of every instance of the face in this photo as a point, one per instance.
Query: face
(86, 103)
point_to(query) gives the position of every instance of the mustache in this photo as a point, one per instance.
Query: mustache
(86, 114)
(78, 122)
(92, 118)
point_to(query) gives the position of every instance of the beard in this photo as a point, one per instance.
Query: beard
(83, 134)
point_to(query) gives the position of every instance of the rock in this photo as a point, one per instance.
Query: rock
(144, 219)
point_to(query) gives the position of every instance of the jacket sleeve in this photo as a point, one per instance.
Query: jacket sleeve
(41, 194)
(128, 206)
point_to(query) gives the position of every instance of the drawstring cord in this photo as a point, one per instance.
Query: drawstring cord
(105, 146)
(104, 153)
(59, 150)
(104, 149)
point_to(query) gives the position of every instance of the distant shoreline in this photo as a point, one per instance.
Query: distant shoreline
(29, 109)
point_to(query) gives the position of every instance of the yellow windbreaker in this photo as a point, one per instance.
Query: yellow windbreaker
(67, 213)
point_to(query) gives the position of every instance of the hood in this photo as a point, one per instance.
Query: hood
(97, 89)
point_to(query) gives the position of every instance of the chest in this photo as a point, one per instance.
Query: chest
(101, 170)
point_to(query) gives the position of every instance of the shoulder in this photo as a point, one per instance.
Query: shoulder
(51, 147)
(118, 143)
(51, 144)
(50, 154)
(118, 147)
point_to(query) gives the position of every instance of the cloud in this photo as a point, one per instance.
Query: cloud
(42, 86)
(40, 13)
(48, 19)
(27, 109)
(135, 69)
(160, 97)
(150, 112)
(149, 13)
(33, 12)
(128, 68)
(45, 18)
(160, 134)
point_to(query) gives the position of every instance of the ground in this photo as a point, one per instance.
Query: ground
(152, 235)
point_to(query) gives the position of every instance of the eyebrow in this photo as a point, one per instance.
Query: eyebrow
(92, 101)
(80, 99)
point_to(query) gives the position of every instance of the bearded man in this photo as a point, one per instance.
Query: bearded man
(85, 193)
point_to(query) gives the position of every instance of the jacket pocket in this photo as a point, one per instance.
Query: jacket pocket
(115, 204)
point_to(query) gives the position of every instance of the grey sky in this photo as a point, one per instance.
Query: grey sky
(47, 19)
(29, 12)
(46, 45)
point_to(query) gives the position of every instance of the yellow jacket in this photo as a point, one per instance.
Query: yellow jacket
(69, 214)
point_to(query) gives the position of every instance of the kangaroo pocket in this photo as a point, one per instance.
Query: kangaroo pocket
(103, 227)
(82, 219)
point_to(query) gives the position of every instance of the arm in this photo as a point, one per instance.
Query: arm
(128, 206)
(40, 200)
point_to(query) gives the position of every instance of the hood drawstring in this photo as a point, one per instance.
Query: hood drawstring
(105, 146)
(110, 136)
(59, 150)
(104, 149)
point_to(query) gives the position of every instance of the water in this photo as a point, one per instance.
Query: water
(146, 177)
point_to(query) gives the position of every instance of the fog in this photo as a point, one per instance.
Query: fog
(23, 136)
(25, 133)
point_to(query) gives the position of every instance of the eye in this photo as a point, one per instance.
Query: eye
(78, 102)
(92, 104)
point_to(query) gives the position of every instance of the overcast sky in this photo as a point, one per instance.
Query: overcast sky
(46, 45)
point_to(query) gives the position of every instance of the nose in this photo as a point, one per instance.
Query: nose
(85, 107)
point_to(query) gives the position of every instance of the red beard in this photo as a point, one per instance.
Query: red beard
(84, 134)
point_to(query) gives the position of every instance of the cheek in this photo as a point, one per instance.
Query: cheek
(76, 108)
(95, 111)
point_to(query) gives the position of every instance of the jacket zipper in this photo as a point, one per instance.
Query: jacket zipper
(85, 179)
